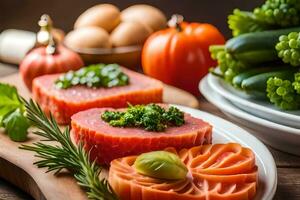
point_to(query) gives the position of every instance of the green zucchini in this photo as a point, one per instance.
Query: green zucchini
(238, 79)
(258, 47)
(256, 85)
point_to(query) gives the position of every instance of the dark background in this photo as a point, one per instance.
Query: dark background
(24, 14)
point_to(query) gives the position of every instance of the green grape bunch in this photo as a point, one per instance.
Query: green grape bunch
(283, 13)
(296, 83)
(229, 66)
(282, 94)
(288, 48)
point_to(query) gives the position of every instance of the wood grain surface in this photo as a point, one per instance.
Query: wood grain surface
(288, 168)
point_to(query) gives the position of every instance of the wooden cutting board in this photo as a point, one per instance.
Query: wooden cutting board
(16, 165)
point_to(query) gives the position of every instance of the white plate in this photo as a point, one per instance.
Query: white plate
(224, 132)
(276, 135)
(261, 109)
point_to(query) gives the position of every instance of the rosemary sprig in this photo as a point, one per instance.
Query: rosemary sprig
(65, 155)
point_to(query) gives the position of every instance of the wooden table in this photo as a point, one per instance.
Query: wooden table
(288, 166)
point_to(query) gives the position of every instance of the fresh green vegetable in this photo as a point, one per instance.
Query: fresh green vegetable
(288, 48)
(256, 48)
(161, 165)
(296, 83)
(267, 36)
(229, 66)
(241, 22)
(238, 79)
(66, 155)
(279, 13)
(282, 94)
(151, 117)
(256, 85)
(247, 51)
(16, 126)
(99, 75)
(273, 14)
(12, 113)
(9, 101)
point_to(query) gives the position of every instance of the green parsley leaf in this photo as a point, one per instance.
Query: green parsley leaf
(16, 125)
(12, 113)
(9, 101)
(151, 117)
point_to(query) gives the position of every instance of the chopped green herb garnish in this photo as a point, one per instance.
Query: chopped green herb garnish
(151, 117)
(99, 75)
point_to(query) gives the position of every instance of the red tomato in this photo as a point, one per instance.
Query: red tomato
(180, 57)
(38, 62)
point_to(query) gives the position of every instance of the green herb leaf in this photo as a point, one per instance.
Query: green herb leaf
(9, 101)
(161, 165)
(16, 126)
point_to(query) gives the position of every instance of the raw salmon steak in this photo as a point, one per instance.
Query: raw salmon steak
(63, 103)
(216, 172)
(106, 143)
